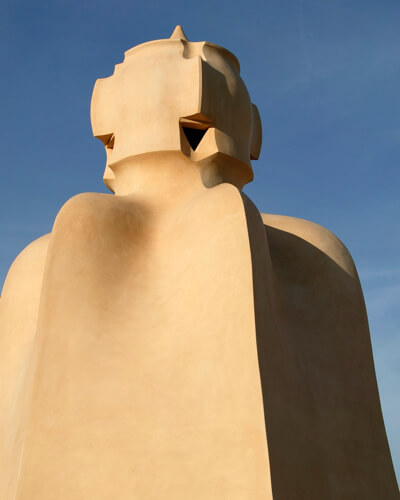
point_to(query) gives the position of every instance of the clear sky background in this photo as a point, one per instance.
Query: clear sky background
(325, 75)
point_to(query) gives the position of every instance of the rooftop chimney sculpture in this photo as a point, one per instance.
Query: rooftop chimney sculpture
(169, 341)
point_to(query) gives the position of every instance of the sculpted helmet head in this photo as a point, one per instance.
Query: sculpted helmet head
(174, 95)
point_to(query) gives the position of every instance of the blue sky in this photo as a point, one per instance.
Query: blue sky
(325, 76)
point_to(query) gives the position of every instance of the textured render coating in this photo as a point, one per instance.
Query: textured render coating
(171, 342)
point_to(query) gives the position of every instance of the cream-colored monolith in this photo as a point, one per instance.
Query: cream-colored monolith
(169, 341)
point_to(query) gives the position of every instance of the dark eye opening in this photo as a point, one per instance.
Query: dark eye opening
(194, 136)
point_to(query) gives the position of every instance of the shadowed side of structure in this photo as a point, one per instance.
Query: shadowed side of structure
(325, 431)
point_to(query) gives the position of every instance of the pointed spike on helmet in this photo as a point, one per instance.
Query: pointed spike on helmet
(178, 34)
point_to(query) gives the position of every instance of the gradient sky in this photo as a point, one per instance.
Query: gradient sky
(324, 74)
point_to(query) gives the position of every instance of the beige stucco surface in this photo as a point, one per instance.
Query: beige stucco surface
(169, 341)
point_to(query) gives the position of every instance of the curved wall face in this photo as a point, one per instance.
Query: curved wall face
(147, 382)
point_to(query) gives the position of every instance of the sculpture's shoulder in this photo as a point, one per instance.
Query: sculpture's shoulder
(86, 201)
(26, 272)
(303, 244)
(87, 212)
(83, 205)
